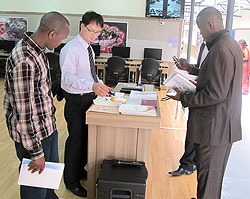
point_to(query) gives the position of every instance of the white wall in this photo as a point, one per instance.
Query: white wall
(142, 32)
(135, 8)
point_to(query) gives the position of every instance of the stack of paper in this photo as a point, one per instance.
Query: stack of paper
(109, 101)
(104, 109)
(143, 95)
(143, 110)
(182, 80)
(142, 102)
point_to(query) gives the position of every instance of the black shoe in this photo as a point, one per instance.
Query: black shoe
(180, 172)
(78, 191)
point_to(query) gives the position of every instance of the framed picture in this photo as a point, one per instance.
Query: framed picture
(12, 28)
(113, 34)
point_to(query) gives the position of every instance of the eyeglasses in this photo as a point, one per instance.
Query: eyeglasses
(92, 31)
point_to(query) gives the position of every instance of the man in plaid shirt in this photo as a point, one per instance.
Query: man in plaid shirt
(28, 100)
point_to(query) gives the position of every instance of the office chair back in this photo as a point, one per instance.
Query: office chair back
(55, 72)
(115, 65)
(150, 69)
(116, 68)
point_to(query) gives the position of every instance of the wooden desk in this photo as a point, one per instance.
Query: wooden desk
(110, 136)
(4, 54)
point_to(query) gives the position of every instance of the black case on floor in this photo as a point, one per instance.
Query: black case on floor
(120, 182)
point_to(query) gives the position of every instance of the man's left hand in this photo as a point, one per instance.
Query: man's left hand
(177, 96)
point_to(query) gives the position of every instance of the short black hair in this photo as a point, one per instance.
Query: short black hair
(92, 16)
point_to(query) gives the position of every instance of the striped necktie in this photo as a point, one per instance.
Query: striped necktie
(92, 64)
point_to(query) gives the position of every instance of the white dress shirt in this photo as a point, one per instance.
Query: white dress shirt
(74, 62)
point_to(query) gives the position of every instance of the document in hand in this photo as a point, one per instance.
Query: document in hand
(50, 177)
(143, 110)
(183, 81)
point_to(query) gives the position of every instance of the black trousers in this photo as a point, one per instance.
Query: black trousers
(187, 160)
(76, 146)
(211, 165)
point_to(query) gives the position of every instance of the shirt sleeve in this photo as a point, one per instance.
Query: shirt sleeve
(23, 93)
(68, 63)
(219, 78)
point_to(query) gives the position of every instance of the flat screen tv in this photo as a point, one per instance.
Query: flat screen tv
(165, 8)
(155, 53)
(123, 52)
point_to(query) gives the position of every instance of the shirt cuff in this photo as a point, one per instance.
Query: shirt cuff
(89, 85)
(36, 155)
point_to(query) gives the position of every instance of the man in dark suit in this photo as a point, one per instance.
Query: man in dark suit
(187, 161)
(214, 121)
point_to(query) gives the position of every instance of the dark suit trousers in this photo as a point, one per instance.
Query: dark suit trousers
(76, 146)
(211, 162)
(187, 160)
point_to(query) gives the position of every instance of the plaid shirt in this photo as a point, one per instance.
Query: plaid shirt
(28, 101)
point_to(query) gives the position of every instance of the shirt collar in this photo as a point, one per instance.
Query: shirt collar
(31, 43)
(212, 39)
(82, 41)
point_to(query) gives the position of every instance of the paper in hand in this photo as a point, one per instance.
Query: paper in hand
(49, 178)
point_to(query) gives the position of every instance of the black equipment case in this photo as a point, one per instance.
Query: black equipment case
(122, 179)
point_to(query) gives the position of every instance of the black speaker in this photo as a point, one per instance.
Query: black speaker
(122, 179)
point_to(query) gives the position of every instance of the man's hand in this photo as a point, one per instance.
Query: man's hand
(101, 89)
(177, 96)
(184, 65)
(37, 165)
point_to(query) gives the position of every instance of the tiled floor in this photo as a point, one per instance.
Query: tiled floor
(236, 183)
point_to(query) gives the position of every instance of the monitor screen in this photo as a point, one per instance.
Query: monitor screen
(155, 8)
(7, 45)
(154, 53)
(96, 49)
(123, 52)
(58, 48)
(175, 9)
(165, 8)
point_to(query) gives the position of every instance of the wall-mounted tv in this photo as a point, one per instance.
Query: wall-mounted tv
(165, 8)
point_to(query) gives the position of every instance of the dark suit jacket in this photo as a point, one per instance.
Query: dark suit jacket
(215, 108)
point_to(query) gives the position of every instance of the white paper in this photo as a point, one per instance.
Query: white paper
(143, 95)
(49, 178)
(137, 110)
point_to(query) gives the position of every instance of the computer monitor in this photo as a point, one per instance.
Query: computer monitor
(123, 52)
(58, 48)
(96, 49)
(6, 45)
(155, 53)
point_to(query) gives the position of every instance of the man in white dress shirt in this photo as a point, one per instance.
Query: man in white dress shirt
(81, 85)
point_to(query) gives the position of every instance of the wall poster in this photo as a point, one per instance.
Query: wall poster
(12, 28)
(113, 34)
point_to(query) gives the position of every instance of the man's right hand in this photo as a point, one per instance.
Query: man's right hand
(101, 89)
(184, 65)
(37, 165)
